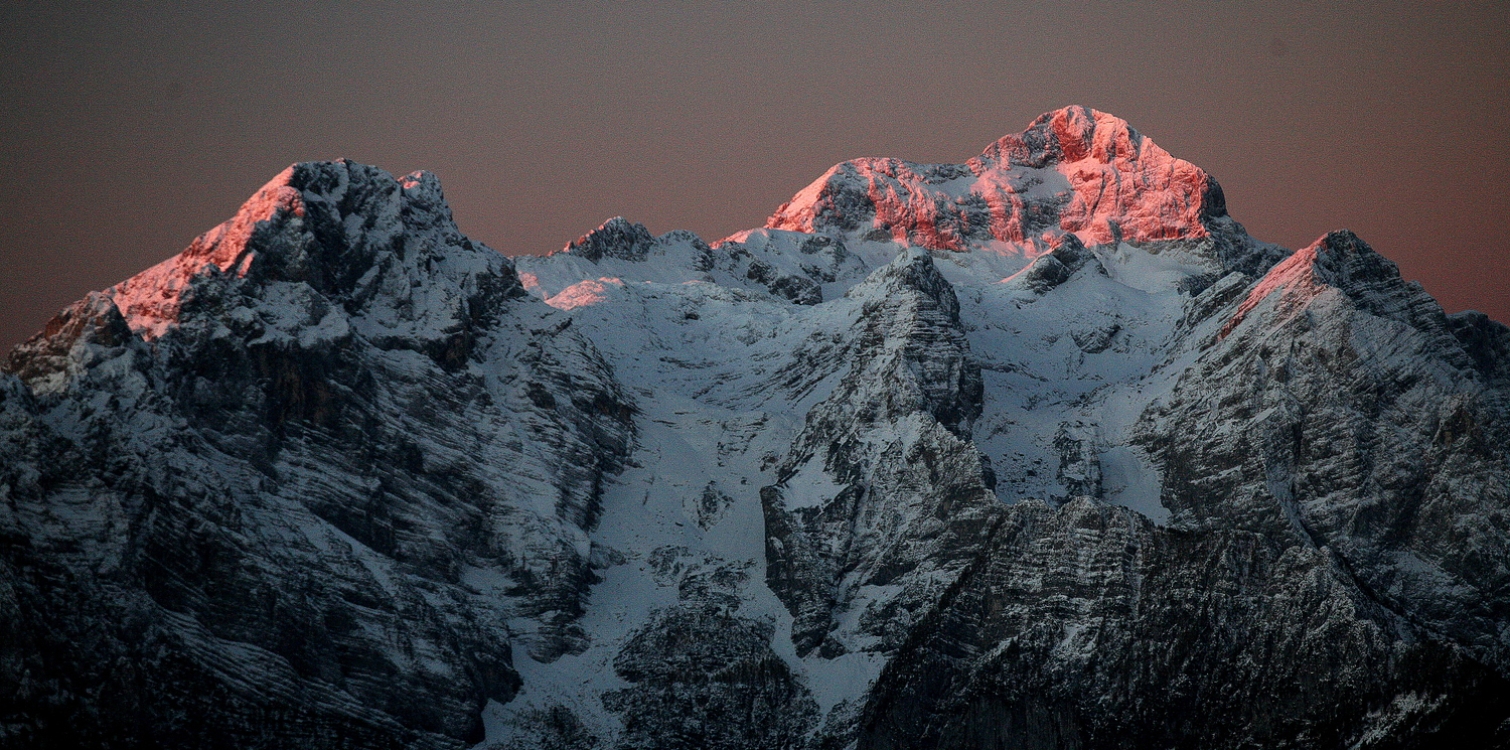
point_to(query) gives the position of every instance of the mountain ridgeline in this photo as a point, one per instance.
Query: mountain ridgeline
(1041, 450)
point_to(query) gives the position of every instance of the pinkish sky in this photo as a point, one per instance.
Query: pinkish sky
(126, 132)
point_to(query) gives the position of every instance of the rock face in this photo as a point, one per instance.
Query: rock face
(288, 486)
(914, 495)
(1037, 451)
(1075, 170)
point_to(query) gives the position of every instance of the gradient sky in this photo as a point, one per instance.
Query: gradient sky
(124, 132)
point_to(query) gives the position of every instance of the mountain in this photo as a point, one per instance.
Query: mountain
(1041, 450)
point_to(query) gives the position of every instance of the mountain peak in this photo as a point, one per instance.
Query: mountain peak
(338, 227)
(616, 238)
(1069, 134)
(912, 271)
(1341, 260)
(1073, 170)
(150, 300)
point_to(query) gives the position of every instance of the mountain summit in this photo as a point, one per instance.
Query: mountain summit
(1074, 170)
(1040, 450)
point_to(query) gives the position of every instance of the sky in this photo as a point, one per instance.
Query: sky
(126, 131)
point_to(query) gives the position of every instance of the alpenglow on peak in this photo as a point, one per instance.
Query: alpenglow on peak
(1040, 450)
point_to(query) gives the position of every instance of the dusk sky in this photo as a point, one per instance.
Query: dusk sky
(126, 132)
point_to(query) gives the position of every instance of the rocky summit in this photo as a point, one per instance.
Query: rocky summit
(1041, 450)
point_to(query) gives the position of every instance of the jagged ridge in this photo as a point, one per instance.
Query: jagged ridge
(1040, 450)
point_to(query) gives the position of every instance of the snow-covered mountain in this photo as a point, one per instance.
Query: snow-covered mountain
(1037, 451)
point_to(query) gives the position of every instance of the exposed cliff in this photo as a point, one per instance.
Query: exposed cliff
(1041, 450)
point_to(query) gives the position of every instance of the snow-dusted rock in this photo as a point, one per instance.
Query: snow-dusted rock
(1039, 450)
(1338, 409)
(882, 498)
(295, 491)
